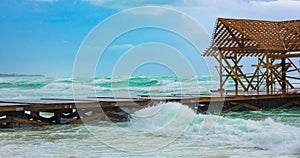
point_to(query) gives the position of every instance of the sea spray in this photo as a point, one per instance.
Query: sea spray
(149, 129)
(265, 134)
(170, 119)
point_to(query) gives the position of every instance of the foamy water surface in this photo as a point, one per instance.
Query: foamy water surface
(164, 130)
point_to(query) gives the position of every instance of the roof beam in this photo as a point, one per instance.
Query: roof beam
(284, 56)
(239, 48)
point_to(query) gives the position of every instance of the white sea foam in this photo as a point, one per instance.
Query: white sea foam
(166, 117)
(267, 134)
(57, 86)
(63, 80)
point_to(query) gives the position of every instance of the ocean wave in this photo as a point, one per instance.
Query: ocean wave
(33, 86)
(64, 80)
(57, 86)
(267, 134)
(22, 85)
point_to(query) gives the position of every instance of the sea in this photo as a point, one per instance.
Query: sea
(164, 130)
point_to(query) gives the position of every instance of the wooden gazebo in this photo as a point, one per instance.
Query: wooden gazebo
(273, 44)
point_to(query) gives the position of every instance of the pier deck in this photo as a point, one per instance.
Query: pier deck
(69, 111)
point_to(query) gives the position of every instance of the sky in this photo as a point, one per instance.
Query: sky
(44, 36)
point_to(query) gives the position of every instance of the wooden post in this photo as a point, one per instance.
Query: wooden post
(267, 72)
(236, 67)
(221, 74)
(283, 74)
(35, 115)
(57, 116)
(10, 115)
(258, 73)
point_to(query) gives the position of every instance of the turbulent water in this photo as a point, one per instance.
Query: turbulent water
(38, 86)
(164, 130)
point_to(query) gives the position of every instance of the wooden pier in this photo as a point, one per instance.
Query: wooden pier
(273, 48)
(68, 111)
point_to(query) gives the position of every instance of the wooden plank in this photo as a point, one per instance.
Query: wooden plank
(25, 121)
(234, 108)
(11, 108)
(2, 104)
(248, 97)
(288, 104)
(5, 120)
(115, 116)
(47, 107)
(237, 107)
(252, 107)
(93, 99)
(284, 56)
(46, 102)
(225, 48)
(87, 119)
(234, 73)
(119, 97)
(238, 39)
(56, 105)
(296, 78)
(6, 107)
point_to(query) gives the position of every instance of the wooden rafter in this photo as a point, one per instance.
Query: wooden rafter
(272, 42)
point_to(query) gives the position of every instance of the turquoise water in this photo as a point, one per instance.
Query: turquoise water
(164, 130)
(39, 86)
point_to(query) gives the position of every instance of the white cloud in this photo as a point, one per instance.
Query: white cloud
(277, 3)
(207, 11)
(227, 8)
(278, 8)
(251, 8)
(212, 8)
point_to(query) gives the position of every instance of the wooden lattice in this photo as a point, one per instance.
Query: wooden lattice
(272, 43)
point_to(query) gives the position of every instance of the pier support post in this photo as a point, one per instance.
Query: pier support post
(221, 74)
(283, 74)
(57, 116)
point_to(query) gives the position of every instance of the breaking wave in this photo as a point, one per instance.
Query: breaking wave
(266, 134)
